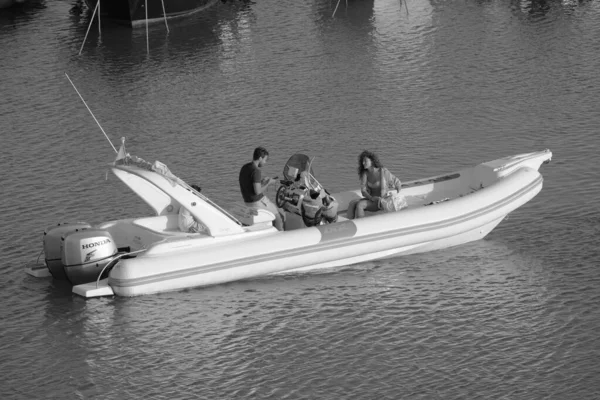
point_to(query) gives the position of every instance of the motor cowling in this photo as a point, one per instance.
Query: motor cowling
(52, 246)
(85, 253)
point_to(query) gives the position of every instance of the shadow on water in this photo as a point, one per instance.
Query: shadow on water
(351, 18)
(17, 13)
(539, 8)
(120, 53)
(123, 57)
(352, 23)
(182, 37)
(531, 9)
(352, 10)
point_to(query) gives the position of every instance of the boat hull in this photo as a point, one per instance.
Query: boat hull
(387, 235)
(442, 211)
(133, 12)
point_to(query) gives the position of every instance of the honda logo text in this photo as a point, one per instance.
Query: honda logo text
(95, 244)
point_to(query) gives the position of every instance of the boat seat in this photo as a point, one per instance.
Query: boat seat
(164, 224)
(252, 217)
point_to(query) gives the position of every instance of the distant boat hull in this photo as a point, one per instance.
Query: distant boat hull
(133, 12)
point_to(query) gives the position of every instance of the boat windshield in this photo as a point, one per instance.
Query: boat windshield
(299, 168)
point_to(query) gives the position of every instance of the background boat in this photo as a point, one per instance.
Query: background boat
(134, 12)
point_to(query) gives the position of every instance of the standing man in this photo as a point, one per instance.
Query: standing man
(253, 186)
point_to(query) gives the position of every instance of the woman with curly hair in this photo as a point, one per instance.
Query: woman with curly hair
(376, 182)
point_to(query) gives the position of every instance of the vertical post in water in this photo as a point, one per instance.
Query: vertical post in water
(405, 6)
(165, 14)
(99, 28)
(147, 39)
(336, 7)
(89, 26)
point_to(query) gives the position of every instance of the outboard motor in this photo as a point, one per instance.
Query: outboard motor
(52, 246)
(85, 253)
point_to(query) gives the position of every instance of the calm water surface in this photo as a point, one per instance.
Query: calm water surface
(446, 85)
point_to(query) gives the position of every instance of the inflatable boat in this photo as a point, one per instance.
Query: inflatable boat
(164, 252)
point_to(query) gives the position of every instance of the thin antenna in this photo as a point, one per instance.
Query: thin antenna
(113, 146)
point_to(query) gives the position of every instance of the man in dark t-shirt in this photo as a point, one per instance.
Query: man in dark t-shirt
(253, 186)
(249, 175)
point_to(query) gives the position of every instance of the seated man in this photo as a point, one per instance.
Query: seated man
(253, 186)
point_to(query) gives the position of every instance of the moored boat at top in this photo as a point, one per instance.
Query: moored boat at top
(135, 13)
(152, 254)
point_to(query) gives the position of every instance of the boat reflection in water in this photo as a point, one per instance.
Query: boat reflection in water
(134, 13)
